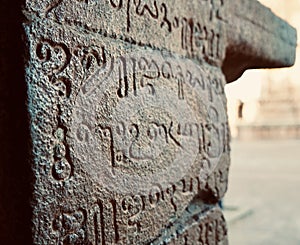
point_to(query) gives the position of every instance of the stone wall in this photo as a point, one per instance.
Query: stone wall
(129, 137)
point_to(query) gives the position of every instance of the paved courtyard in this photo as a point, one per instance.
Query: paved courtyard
(263, 199)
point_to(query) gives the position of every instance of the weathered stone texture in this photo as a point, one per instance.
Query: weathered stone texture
(77, 127)
(128, 122)
(256, 39)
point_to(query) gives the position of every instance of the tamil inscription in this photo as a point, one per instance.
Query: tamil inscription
(146, 117)
(198, 34)
(147, 129)
(130, 135)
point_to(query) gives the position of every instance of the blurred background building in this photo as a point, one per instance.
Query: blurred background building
(265, 104)
(262, 202)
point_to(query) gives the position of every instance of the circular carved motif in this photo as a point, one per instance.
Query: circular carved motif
(145, 119)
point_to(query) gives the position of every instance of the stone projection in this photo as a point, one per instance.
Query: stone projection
(127, 114)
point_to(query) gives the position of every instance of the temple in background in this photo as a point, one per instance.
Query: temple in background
(277, 115)
(269, 107)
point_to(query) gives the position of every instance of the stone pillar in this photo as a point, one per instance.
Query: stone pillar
(127, 138)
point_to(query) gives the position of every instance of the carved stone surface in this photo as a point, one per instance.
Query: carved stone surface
(196, 226)
(129, 130)
(139, 166)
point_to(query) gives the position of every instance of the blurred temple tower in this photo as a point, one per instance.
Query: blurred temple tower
(275, 113)
(278, 113)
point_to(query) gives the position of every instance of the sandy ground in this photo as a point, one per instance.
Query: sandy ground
(265, 179)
